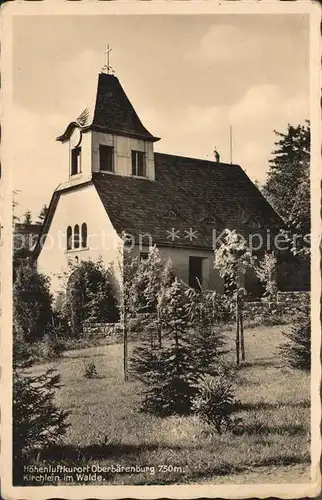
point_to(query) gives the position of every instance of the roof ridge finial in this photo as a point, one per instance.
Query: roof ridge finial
(217, 155)
(107, 69)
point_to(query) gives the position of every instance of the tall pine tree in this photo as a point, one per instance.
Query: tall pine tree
(27, 218)
(288, 182)
(42, 215)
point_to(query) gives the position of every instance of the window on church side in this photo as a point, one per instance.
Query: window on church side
(138, 163)
(84, 235)
(69, 236)
(76, 155)
(76, 236)
(106, 158)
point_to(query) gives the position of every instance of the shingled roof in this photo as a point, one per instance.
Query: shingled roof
(112, 113)
(188, 194)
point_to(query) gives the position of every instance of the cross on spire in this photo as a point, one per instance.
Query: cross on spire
(107, 68)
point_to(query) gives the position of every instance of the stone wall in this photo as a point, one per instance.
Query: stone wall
(286, 304)
(103, 330)
(285, 297)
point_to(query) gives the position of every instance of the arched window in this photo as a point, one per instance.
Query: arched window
(76, 236)
(84, 235)
(69, 242)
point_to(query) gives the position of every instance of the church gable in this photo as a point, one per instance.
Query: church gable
(76, 228)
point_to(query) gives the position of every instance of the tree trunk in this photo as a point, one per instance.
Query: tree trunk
(159, 330)
(237, 338)
(125, 349)
(242, 336)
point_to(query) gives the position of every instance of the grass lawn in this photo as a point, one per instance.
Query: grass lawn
(107, 428)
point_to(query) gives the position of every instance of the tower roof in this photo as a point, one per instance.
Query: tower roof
(112, 113)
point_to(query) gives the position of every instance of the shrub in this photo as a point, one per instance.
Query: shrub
(215, 402)
(56, 346)
(89, 297)
(32, 303)
(90, 370)
(23, 355)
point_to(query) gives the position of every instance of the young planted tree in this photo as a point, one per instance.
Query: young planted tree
(232, 259)
(167, 372)
(167, 277)
(206, 340)
(266, 271)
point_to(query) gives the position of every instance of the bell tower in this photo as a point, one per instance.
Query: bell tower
(108, 138)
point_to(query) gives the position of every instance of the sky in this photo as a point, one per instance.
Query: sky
(189, 79)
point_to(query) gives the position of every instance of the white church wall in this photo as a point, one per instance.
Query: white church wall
(122, 153)
(76, 207)
(180, 260)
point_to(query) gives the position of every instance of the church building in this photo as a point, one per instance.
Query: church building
(119, 194)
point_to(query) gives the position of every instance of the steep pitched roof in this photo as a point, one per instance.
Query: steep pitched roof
(188, 194)
(112, 113)
(189, 199)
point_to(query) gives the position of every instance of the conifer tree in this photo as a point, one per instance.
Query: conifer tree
(27, 217)
(288, 182)
(296, 348)
(37, 421)
(167, 372)
(42, 215)
(207, 341)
